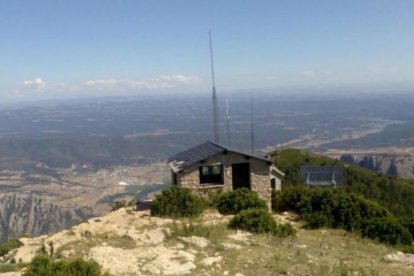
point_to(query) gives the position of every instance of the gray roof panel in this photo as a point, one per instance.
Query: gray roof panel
(321, 175)
(197, 153)
(201, 152)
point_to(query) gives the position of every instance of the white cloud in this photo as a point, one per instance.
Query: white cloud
(111, 84)
(39, 84)
(373, 70)
(161, 82)
(101, 84)
(308, 74)
(384, 71)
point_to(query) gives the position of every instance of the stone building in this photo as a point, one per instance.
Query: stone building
(210, 166)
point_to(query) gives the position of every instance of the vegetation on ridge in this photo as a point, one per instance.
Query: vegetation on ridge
(177, 202)
(8, 246)
(43, 265)
(260, 221)
(339, 209)
(394, 193)
(234, 202)
(360, 205)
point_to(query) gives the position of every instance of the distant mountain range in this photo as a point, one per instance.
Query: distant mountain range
(393, 165)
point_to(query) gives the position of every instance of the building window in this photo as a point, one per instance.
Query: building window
(216, 170)
(205, 171)
(212, 174)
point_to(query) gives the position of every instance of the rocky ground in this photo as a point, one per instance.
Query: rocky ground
(47, 200)
(127, 242)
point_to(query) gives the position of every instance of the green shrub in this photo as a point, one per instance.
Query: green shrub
(177, 202)
(339, 209)
(9, 245)
(260, 221)
(241, 199)
(328, 207)
(387, 230)
(288, 199)
(317, 220)
(409, 224)
(394, 193)
(211, 196)
(43, 265)
(118, 204)
(283, 230)
(131, 203)
(407, 249)
(253, 220)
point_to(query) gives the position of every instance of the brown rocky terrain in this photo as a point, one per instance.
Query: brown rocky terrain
(126, 242)
(43, 201)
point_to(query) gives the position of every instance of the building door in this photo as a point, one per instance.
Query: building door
(241, 175)
(273, 183)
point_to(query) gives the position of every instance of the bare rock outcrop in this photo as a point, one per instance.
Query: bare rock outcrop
(31, 215)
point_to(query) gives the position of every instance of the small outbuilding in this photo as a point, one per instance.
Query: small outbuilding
(321, 176)
(210, 166)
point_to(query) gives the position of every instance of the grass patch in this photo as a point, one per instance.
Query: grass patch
(215, 233)
(313, 252)
(6, 267)
(9, 245)
(82, 247)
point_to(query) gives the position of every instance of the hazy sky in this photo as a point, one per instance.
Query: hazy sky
(50, 48)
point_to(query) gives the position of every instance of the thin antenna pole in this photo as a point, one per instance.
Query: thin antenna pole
(252, 123)
(214, 96)
(228, 120)
(211, 60)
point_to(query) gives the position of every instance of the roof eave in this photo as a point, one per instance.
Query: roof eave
(176, 166)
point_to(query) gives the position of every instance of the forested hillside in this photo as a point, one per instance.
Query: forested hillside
(395, 194)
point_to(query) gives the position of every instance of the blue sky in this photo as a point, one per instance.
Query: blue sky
(52, 48)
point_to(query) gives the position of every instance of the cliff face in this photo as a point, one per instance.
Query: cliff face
(27, 214)
(395, 165)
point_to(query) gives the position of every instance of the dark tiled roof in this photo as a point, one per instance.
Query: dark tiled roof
(201, 152)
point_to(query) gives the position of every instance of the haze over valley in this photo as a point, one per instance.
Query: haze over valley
(206, 137)
(82, 155)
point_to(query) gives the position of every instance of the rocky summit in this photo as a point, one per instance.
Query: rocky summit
(129, 242)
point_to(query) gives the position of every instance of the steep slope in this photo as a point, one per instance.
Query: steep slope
(393, 165)
(27, 214)
(126, 242)
(394, 193)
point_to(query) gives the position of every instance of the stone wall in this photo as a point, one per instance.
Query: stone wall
(259, 174)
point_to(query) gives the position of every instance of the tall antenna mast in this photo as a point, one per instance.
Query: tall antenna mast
(214, 96)
(251, 123)
(228, 120)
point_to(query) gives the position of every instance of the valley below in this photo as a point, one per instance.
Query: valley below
(35, 203)
(78, 157)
